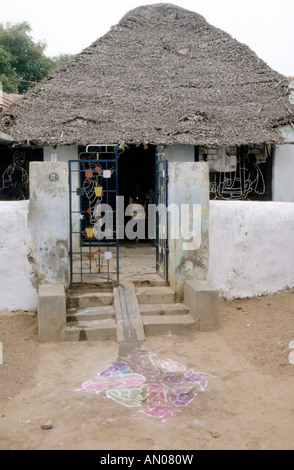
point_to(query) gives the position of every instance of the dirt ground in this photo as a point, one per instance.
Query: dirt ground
(247, 403)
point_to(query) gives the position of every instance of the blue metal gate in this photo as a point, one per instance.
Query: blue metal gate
(161, 193)
(93, 191)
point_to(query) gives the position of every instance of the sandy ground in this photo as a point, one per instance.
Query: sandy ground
(247, 403)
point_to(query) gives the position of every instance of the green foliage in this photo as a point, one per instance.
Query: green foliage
(61, 59)
(22, 60)
(9, 84)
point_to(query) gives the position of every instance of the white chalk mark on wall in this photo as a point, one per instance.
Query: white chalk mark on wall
(15, 177)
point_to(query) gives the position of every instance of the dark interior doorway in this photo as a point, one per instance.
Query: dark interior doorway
(136, 178)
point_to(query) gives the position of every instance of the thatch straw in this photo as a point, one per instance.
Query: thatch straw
(163, 75)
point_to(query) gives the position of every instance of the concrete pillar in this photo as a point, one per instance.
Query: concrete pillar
(64, 154)
(189, 254)
(48, 221)
(203, 302)
(51, 313)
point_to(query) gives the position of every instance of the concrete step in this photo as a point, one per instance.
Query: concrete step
(172, 324)
(152, 282)
(89, 298)
(90, 313)
(86, 286)
(164, 309)
(94, 330)
(155, 295)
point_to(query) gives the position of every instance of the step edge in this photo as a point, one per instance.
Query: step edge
(186, 319)
(78, 295)
(102, 322)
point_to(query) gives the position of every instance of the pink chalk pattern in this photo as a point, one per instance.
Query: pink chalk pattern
(159, 386)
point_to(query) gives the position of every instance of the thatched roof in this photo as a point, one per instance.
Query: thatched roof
(163, 75)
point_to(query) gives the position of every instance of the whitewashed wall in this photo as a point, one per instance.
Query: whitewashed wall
(16, 274)
(251, 247)
(251, 251)
(180, 153)
(283, 167)
(61, 154)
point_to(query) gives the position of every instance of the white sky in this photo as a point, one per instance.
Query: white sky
(68, 26)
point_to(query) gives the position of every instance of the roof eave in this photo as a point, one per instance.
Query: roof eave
(6, 139)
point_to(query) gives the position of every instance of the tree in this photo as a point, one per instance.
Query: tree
(61, 59)
(22, 60)
(8, 77)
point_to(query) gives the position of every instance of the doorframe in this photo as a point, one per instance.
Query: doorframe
(161, 198)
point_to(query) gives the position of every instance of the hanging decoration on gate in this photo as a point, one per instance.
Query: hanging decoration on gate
(97, 189)
(94, 183)
(92, 188)
(89, 232)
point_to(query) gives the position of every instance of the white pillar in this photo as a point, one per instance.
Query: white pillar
(48, 221)
(189, 186)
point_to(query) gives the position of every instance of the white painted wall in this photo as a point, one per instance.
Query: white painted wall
(283, 173)
(63, 154)
(287, 132)
(251, 251)
(283, 167)
(16, 288)
(179, 153)
(251, 247)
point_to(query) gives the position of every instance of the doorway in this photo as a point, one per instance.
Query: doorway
(138, 176)
(136, 183)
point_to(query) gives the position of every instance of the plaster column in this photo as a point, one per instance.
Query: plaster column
(48, 221)
(188, 254)
(64, 154)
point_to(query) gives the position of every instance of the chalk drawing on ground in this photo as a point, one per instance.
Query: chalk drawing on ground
(160, 387)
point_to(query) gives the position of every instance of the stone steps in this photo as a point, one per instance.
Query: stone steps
(82, 299)
(164, 309)
(155, 295)
(151, 282)
(90, 314)
(93, 330)
(124, 311)
(173, 324)
(161, 314)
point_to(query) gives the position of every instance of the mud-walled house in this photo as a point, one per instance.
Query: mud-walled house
(168, 106)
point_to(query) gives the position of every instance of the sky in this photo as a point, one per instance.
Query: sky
(68, 26)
